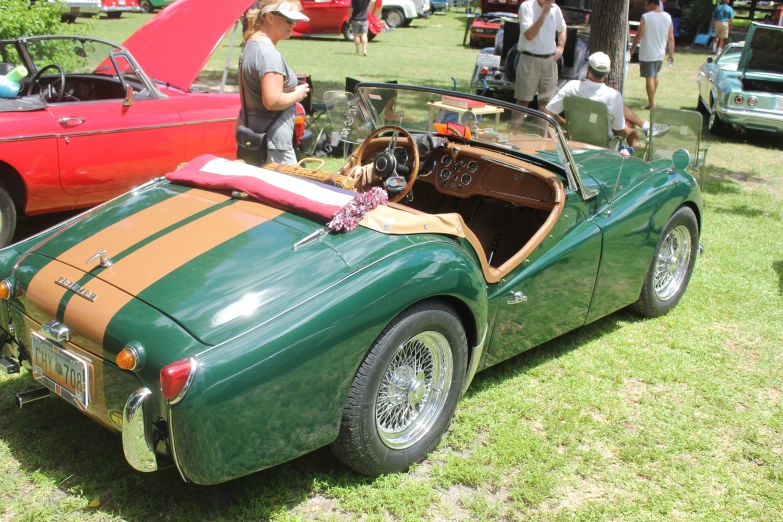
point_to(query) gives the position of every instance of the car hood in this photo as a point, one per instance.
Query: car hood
(216, 265)
(761, 53)
(174, 45)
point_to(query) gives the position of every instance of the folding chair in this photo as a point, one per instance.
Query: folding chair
(703, 39)
(685, 133)
(315, 112)
(588, 121)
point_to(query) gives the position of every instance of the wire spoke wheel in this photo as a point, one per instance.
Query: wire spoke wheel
(414, 389)
(672, 263)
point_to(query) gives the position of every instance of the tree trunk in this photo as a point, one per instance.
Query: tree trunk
(608, 27)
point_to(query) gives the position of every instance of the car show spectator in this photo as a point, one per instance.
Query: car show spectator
(269, 88)
(722, 23)
(359, 23)
(622, 120)
(656, 31)
(542, 38)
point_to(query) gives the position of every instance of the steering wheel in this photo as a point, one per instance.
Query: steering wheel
(37, 81)
(386, 166)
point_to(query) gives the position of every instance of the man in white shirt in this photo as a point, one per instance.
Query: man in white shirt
(622, 120)
(540, 21)
(655, 32)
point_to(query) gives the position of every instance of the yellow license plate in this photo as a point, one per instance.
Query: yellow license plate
(60, 370)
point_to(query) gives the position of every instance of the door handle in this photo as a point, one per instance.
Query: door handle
(71, 121)
(516, 298)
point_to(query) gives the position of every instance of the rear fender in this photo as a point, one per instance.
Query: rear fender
(278, 391)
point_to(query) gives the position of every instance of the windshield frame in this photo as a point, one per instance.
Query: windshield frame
(569, 165)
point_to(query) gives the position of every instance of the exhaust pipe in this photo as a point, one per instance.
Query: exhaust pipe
(31, 396)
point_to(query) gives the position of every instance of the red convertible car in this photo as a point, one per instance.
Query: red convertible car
(330, 17)
(95, 118)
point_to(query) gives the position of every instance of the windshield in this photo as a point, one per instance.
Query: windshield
(455, 114)
(730, 57)
(74, 55)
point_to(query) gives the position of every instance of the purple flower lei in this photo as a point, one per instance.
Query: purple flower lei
(348, 217)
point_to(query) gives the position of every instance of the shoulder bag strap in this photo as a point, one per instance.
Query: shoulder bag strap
(244, 107)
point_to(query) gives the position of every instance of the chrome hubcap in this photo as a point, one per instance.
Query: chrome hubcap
(672, 263)
(394, 19)
(414, 389)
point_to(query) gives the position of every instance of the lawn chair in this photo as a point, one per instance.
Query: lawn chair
(703, 39)
(685, 133)
(588, 121)
(315, 112)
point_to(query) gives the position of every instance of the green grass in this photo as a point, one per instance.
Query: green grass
(625, 419)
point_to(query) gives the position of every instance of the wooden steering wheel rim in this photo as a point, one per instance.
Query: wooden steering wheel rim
(414, 171)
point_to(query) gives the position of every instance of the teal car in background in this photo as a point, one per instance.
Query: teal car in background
(743, 87)
(150, 6)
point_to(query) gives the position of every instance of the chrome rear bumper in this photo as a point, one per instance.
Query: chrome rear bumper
(139, 450)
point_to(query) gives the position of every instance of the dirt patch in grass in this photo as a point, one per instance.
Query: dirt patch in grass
(751, 182)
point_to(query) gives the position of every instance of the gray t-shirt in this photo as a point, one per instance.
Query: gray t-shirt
(258, 59)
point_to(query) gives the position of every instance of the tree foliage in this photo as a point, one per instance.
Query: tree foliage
(21, 18)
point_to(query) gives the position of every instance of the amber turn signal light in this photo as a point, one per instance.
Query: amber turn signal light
(127, 359)
(6, 289)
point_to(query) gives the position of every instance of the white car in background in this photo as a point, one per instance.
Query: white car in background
(400, 13)
(74, 8)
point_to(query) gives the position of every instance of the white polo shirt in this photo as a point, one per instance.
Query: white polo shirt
(544, 42)
(592, 91)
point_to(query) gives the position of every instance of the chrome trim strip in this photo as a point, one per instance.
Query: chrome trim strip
(216, 120)
(188, 383)
(174, 448)
(112, 131)
(135, 444)
(475, 358)
(755, 113)
(27, 138)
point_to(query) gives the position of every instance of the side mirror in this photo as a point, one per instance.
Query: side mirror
(681, 159)
(709, 59)
(128, 101)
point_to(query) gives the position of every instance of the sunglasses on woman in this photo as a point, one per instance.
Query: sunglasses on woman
(284, 17)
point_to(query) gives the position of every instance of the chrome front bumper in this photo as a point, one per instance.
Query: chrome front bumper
(139, 450)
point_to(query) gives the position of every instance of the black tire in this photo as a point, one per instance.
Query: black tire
(394, 17)
(7, 218)
(347, 34)
(653, 300)
(69, 19)
(714, 124)
(512, 59)
(407, 22)
(146, 6)
(114, 15)
(361, 443)
(701, 107)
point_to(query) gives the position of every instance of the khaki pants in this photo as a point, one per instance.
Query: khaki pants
(535, 75)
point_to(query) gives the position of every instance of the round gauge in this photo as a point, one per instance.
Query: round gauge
(401, 155)
(466, 179)
(472, 166)
(445, 174)
(446, 160)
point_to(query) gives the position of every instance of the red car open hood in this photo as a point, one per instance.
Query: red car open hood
(174, 46)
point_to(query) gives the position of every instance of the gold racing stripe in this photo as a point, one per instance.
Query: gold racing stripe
(46, 295)
(147, 265)
(127, 232)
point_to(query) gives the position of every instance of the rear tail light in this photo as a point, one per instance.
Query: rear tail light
(752, 101)
(299, 120)
(484, 70)
(176, 378)
(739, 99)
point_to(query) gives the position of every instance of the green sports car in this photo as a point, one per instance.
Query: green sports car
(743, 88)
(229, 318)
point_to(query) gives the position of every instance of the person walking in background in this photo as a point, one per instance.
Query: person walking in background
(722, 23)
(655, 32)
(269, 88)
(359, 23)
(542, 37)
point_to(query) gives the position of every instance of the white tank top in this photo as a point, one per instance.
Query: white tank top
(656, 35)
